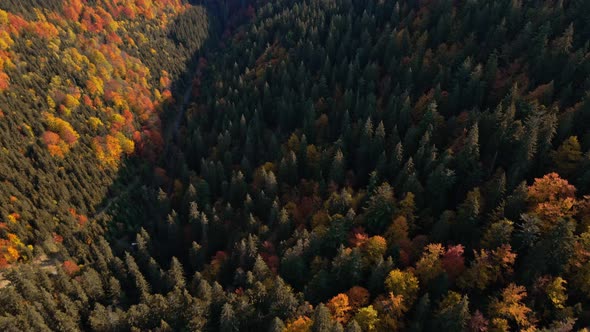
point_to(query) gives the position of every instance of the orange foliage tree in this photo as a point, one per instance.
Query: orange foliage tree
(301, 324)
(489, 267)
(70, 267)
(340, 308)
(9, 249)
(552, 198)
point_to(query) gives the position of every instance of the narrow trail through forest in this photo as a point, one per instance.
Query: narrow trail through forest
(180, 110)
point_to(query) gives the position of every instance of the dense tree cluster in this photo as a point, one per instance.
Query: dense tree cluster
(351, 165)
(82, 84)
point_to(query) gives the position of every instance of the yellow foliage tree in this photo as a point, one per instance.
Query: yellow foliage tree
(568, 156)
(95, 86)
(3, 17)
(95, 122)
(557, 292)
(430, 266)
(127, 145)
(5, 40)
(375, 248)
(403, 283)
(71, 102)
(510, 307)
(367, 318)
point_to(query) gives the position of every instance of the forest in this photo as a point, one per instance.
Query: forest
(295, 165)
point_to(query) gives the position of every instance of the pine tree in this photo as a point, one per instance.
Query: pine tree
(337, 327)
(92, 284)
(228, 320)
(338, 168)
(453, 312)
(141, 285)
(175, 274)
(422, 320)
(322, 321)
(468, 216)
(468, 168)
(380, 208)
(282, 300)
(353, 326)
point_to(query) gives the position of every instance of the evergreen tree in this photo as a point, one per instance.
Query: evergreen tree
(276, 325)
(322, 321)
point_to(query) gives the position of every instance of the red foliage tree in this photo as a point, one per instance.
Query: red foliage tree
(4, 81)
(70, 267)
(72, 9)
(50, 138)
(453, 261)
(358, 297)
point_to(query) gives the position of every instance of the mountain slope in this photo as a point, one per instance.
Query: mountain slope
(83, 86)
(347, 165)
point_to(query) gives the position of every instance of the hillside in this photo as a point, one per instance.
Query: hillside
(82, 86)
(316, 165)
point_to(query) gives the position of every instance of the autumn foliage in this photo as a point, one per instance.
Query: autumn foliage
(301, 324)
(9, 249)
(118, 85)
(70, 267)
(340, 308)
(315, 165)
(86, 82)
(552, 198)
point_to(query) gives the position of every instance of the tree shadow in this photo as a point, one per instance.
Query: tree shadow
(144, 187)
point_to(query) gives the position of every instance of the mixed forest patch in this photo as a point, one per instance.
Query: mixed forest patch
(351, 165)
(83, 85)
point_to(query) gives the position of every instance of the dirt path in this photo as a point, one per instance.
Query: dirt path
(110, 202)
(181, 109)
